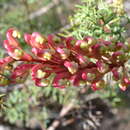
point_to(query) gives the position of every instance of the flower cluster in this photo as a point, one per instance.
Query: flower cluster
(67, 60)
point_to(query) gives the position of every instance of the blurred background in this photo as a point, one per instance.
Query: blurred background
(46, 16)
(27, 107)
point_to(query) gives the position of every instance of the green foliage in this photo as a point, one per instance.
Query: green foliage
(17, 106)
(60, 96)
(21, 102)
(98, 19)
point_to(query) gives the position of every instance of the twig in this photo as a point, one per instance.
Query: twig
(63, 112)
(41, 11)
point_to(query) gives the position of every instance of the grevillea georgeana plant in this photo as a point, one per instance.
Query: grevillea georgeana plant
(70, 61)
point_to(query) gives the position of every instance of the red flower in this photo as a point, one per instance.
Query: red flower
(69, 61)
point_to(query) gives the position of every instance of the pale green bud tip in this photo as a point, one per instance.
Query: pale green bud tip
(18, 53)
(39, 39)
(47, 56)
(40, 74)
(84, 45)
(16, 34)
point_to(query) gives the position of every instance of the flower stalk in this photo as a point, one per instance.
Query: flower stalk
(70, 61)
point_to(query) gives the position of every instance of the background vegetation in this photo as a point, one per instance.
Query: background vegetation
(28, 106)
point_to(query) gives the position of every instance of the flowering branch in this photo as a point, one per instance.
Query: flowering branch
(70, 61)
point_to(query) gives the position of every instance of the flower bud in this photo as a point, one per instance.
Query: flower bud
(18, 54)
(36, 40)
(71, 66)
(83, 60)
(94, 86)
(40, 74)
(98, 85)
(64, 53)
(102, 67)
(40, 39)
(16, 34)
(84, 45)
(82, 83)
(90, 40)
(88, 76)
(47, 55)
